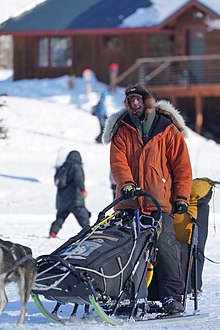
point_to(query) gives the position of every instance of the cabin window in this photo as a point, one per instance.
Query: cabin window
(112, 42)
(55, 52)
(159, 46)
(60, 51)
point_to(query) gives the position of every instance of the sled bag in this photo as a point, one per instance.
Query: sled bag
(108, 256)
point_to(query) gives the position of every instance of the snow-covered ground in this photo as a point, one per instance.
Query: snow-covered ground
(44, 118)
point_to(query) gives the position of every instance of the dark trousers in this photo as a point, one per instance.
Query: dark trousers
(81, 214)
(168, 277)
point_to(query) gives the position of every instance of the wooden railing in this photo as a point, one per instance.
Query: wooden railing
(173, 70)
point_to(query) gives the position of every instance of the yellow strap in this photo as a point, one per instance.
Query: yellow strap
(101, 223)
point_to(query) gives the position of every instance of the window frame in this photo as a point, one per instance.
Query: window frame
(48, 56)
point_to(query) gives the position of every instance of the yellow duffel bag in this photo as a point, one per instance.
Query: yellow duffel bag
(201, 187)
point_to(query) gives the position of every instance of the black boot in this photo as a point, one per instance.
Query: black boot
(172, 305)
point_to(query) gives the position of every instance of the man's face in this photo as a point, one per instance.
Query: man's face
(137, 106)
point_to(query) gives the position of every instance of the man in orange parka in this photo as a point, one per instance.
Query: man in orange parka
(148, 150)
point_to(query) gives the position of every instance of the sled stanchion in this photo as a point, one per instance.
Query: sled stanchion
(192, 260)
(137, 219)
(140, 283)
(195, 261)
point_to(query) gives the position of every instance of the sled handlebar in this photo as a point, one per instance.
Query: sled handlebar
(138, 192)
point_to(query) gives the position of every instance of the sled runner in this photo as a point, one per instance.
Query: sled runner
(106, 268)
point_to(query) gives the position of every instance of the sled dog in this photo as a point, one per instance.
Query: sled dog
(16, 265)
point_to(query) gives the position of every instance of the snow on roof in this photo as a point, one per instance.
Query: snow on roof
(160, 11)
(13, 8)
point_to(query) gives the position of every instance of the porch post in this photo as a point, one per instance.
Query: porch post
(198, 114)
(141, 73)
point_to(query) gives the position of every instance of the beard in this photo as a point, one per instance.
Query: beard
(139, 112)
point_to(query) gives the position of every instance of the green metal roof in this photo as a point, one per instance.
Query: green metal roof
(74, 14)
(55, 15)
(49, 15)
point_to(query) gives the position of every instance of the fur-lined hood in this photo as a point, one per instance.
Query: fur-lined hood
(163, 107)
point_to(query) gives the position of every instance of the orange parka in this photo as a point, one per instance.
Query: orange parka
(161, 166)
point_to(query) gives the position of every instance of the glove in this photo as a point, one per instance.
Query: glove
(180, 207)
(128, 192)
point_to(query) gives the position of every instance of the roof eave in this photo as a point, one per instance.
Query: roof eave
(99, 31)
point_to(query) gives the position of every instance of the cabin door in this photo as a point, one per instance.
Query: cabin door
(196, 46)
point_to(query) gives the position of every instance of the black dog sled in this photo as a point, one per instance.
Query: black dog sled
(106, 267)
